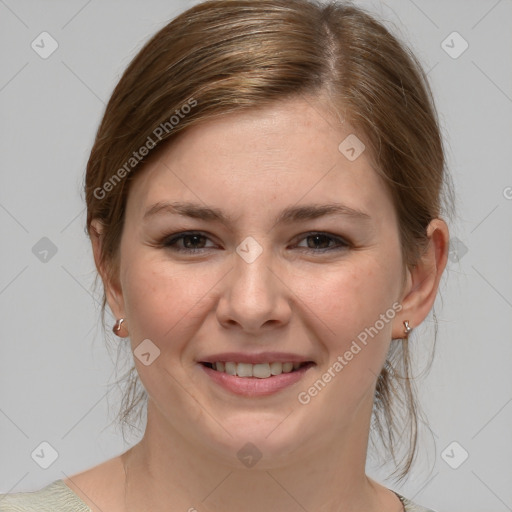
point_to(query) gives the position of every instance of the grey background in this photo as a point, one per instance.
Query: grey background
(54, 364)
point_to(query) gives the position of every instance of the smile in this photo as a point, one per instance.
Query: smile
(260, 370)
(254, 380)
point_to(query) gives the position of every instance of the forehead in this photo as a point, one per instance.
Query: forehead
(258, 161)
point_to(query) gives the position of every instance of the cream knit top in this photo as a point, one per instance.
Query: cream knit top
(58, 497)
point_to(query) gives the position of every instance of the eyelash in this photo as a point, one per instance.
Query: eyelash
(170, 242)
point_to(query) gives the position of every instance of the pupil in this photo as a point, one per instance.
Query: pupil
(189, 237)
(316, 237)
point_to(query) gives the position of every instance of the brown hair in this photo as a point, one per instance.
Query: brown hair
(223, 56)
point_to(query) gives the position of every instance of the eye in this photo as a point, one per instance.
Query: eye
(194, 242)
(324, 239)
(190, 241)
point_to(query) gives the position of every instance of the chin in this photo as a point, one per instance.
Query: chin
(260, 441)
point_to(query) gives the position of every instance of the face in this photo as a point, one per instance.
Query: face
(248, 284)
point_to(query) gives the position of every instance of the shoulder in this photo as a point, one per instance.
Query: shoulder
(409, 506)
(55, 497)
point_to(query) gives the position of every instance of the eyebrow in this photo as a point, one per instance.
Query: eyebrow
(287, 216)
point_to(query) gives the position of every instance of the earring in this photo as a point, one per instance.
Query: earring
(118, 326)
(407, 328)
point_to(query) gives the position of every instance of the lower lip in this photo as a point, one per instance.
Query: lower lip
(253, 386)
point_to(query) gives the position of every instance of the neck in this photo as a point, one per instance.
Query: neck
(325, 475)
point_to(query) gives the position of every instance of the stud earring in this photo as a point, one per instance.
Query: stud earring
(117, 328)
(407, 328)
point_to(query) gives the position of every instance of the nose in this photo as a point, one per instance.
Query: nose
(255, 296)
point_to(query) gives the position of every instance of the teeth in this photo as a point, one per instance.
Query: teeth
(244, 370)
(287, 367)
(276, 368)
(260, 371)
(230, 368)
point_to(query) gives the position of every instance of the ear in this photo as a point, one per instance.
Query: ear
(111, 284)
(422, 281)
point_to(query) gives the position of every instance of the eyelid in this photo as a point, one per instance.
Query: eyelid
(179, 235)
(327, 234)
(170, 241)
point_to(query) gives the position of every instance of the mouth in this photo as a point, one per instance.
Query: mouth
(258, 370)
(255, 380)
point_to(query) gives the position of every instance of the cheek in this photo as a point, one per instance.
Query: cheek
(162, 300)
(350, 299)
(166, 306)
(356, 306)
(353, 321)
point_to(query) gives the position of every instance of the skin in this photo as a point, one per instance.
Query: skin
(252, 165)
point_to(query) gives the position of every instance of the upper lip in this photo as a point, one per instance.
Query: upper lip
(261, 357)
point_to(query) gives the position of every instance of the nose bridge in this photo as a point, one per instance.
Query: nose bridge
(252, 275)
(254, 294)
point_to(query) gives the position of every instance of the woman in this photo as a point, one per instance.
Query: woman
(264, 200)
